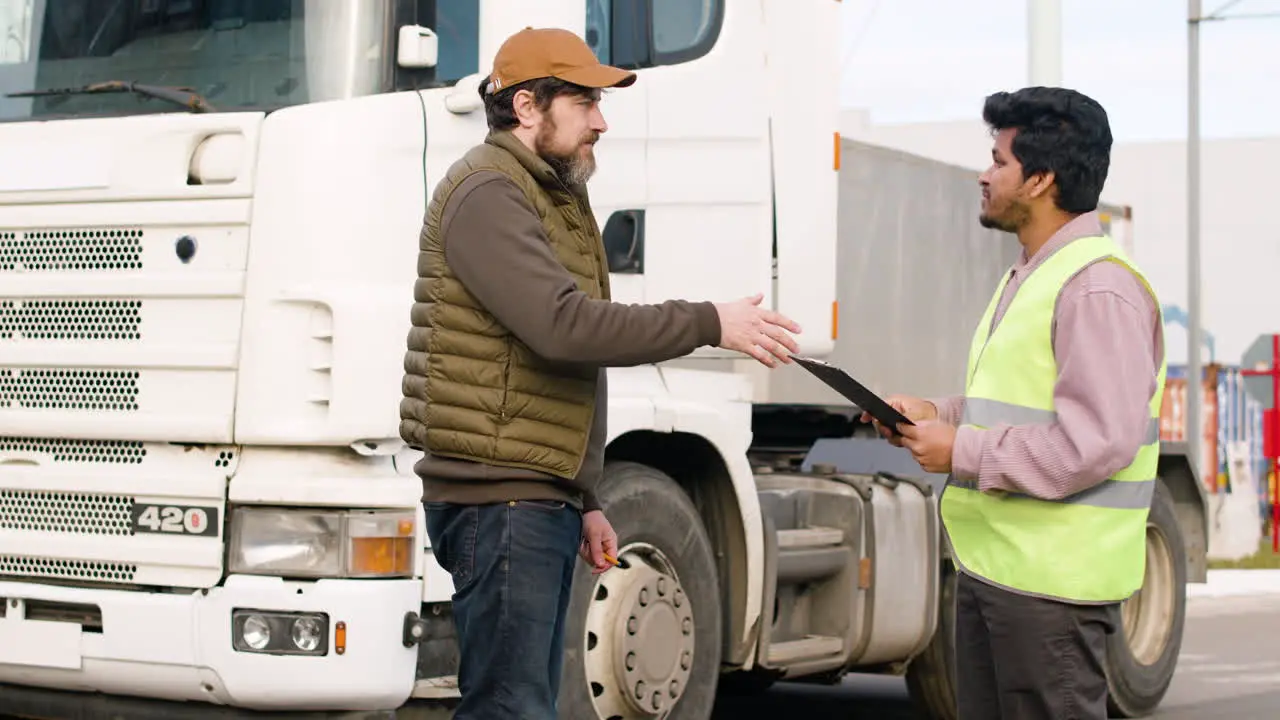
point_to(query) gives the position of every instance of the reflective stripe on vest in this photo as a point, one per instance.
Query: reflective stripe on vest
(1135, 494)
(1091, 546)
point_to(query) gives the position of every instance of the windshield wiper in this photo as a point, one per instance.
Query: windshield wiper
(185, 97)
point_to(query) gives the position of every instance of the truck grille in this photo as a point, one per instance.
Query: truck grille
(77, 451)
(71, 249)
(67, 389)
(60, 512)
(70, 319)
(18, 566)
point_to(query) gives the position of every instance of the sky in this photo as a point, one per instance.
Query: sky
(934, 60)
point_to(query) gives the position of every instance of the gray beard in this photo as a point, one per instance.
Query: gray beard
(572, 170)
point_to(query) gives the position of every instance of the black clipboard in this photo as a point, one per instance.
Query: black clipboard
(843, 383)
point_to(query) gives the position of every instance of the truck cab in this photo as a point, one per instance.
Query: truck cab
(205, 302)
(209, 220)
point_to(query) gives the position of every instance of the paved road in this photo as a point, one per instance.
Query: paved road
(1230, 663)
(1229, 670)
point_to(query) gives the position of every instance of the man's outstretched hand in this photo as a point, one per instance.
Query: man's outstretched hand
(751, 330)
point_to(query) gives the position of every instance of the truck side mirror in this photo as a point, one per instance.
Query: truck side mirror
(419, 47)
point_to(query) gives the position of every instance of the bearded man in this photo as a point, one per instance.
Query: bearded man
(505, 386)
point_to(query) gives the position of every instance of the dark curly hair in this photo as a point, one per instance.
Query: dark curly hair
(1060, 131)
(499, 108)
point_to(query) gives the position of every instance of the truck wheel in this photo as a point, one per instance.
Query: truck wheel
(930, 676)
(643, 640)
(1143, 652)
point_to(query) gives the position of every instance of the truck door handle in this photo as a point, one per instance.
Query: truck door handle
(624, 242)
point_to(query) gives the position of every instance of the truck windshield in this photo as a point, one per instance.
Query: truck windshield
(238, 54)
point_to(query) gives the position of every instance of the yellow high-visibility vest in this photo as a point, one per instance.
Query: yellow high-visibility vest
(1089, 547)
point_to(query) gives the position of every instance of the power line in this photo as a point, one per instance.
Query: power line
(856, 41)
(1216, 13)
(1242, 16)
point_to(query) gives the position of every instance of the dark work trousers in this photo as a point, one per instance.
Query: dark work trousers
(1026, 658)
(512, 566)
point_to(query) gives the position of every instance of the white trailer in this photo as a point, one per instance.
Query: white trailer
(203, 305)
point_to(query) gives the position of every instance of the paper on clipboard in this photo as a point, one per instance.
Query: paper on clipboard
(843, 383)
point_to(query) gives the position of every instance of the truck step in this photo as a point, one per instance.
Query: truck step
(812, 647)
(809, 537)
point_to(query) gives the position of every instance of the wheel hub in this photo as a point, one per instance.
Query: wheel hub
(640, 633)
(1146, 615)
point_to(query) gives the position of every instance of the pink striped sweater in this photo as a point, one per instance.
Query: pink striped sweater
(1108, 342)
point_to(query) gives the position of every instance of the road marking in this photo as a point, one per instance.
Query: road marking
(1194, 668)
(1236, 583)
(1254, 679)
(1207, 607)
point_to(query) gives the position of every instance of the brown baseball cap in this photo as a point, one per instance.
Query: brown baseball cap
(552, 52)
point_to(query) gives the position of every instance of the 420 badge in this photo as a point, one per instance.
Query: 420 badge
(175, 519)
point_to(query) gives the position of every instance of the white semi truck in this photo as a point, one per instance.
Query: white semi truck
(209, 213)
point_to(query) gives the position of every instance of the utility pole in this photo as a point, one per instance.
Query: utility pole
(1044, 42)
(1195, 394)
(1195, 18)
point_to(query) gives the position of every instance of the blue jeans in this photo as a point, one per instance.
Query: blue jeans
(512, 566)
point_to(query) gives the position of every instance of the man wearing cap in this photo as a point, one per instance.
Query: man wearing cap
(504, 387)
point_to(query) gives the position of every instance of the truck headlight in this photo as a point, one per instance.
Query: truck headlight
(322, 543)
(279, 633)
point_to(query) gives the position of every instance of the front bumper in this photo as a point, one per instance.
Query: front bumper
(179, 647)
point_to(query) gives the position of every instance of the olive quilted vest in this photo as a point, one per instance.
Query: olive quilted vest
(472, 390)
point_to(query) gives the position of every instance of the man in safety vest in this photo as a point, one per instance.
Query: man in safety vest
(1052, 449)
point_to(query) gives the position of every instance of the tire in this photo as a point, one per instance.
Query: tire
(658, 528)
(1143, 652)
(931, 675)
